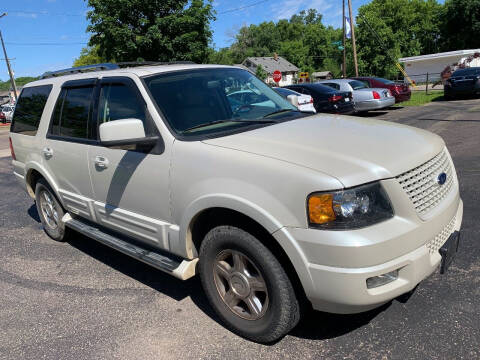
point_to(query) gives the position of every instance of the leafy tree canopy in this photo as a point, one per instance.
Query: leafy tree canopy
(461, 25)
(156, 30)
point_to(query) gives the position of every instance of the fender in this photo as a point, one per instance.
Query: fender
(34, 165)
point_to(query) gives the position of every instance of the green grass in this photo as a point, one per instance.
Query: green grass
(420, 98)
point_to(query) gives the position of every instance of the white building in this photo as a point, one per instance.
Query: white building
(270, 64)
(418, 66)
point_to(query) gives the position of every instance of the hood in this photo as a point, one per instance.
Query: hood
(353, 150)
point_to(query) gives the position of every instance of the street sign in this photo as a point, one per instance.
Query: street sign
(303, 75)
(277, 76)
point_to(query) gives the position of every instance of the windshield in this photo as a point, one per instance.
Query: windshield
(205, 101)
(357, 85)
(467, 72)
(385, 81)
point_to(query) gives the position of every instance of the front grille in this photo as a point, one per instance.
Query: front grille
(421, 184)
(437, 242)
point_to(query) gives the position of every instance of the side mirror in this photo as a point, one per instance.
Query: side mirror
(293, 99)
(124, 132)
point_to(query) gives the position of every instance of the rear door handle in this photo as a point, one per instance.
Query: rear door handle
(47, 152)
(101, 162)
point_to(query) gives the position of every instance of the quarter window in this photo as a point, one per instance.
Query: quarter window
(29, 109)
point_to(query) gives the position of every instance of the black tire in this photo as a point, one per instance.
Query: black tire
(282, 312)
(58, 232)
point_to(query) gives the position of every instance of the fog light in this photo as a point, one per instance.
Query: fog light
(381, 280)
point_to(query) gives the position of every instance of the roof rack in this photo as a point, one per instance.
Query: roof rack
(107, 66)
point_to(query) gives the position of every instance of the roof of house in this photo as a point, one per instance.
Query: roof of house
(457, 53)
(321, 73)
(269, 64)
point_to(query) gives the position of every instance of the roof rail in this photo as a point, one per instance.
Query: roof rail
(107, 66)
(79, 69)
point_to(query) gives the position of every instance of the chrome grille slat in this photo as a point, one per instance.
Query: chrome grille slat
(420, 183)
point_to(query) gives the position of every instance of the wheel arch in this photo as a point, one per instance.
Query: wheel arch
(251, 219)
(33, 173)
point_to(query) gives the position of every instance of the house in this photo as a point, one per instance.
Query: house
(270, 64)
(417, 67)
(322, 75)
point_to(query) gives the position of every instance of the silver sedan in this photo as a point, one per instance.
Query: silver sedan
(365, 98)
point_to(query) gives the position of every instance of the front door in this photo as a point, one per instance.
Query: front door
(130, 185)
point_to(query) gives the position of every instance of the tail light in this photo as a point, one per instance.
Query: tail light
(376, 95)
(11, 149)
(311, 100)
(335, 98)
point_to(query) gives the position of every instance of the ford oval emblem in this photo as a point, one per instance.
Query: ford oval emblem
(442, 178)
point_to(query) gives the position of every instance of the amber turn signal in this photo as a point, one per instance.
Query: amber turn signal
(320, 208)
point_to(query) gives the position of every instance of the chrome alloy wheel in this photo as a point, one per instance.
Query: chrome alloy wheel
(240, 284)
(49, 210)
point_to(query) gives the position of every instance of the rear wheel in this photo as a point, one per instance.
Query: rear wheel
(50, 211)
(246, 285)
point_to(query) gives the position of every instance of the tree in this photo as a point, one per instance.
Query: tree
(261, 73)
(90, 56)
(461, 25)
(389, 29)
(156, 30)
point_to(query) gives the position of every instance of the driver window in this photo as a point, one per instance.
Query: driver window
(118, 101)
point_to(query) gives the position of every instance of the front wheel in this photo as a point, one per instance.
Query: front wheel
(246, 285)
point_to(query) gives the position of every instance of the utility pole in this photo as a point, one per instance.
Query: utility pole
(12, 79)
(344, 50)
(352, 26)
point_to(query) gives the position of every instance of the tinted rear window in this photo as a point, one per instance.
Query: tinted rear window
(29, 109)
(467, 72)
(333, 85)
(322, 89)
(357, 85)
(385, 81)
(72, 112)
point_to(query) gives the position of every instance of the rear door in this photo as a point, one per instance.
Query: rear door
(65, 151)
(130, 184)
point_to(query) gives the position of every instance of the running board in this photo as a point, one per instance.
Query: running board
(183, 270)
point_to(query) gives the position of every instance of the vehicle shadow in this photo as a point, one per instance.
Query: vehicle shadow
(147, 275)
(315, 325)
(370, 114)
(33, 213)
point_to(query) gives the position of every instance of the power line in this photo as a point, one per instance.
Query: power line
(21, 12)
(242, 7)
(45, 43)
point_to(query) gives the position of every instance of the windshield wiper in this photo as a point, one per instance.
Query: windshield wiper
(230, 120)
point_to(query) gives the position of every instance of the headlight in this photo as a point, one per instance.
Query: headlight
(350, 208)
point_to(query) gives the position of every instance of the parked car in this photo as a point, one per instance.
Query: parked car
(305, 102)
(268, 206)
(3, 118)
(7, 110)
(326, 99)
(463, 82)
(401, 91)
(365, 98)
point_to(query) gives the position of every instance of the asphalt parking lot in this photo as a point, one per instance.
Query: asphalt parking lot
(81, 300)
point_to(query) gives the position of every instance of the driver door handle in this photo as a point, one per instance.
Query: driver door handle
(101, 162)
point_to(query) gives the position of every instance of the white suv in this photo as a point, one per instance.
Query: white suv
(269, 205)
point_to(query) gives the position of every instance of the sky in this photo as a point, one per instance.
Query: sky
(45, 35)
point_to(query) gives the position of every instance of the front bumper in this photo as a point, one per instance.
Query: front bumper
(374, 104)
(336, 264)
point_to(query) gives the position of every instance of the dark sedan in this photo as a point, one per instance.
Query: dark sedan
(463, 82)
(326, 99)
(401, 91)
